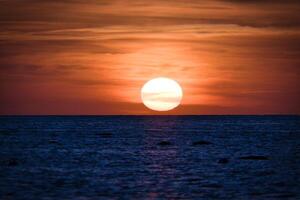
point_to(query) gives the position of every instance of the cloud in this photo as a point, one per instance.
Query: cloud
(80, 14)
(229, 56)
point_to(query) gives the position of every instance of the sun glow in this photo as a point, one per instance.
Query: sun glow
(161, 94)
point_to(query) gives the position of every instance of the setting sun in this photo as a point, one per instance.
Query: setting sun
(161, 94)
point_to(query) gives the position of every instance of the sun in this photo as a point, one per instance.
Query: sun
(161, 94)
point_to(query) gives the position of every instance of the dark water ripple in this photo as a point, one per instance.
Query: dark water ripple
(139, 157)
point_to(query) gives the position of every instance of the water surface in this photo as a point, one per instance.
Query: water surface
(150, 157)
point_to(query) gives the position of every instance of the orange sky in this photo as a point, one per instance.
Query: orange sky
(93, 57)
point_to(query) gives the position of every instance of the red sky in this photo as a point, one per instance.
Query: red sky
(93, 57)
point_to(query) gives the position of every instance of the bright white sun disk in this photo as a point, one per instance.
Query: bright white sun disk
(161, 94)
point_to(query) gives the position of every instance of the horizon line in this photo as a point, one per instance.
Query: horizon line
(133, 115)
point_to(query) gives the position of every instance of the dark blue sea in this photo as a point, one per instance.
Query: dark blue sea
(150, 157)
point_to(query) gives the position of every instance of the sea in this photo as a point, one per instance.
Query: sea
(149, 157)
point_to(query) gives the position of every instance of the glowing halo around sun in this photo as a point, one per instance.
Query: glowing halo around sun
(161, 94)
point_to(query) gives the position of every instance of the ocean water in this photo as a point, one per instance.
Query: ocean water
(150, 157)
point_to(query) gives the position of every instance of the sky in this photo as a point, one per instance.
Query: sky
(93, 57)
